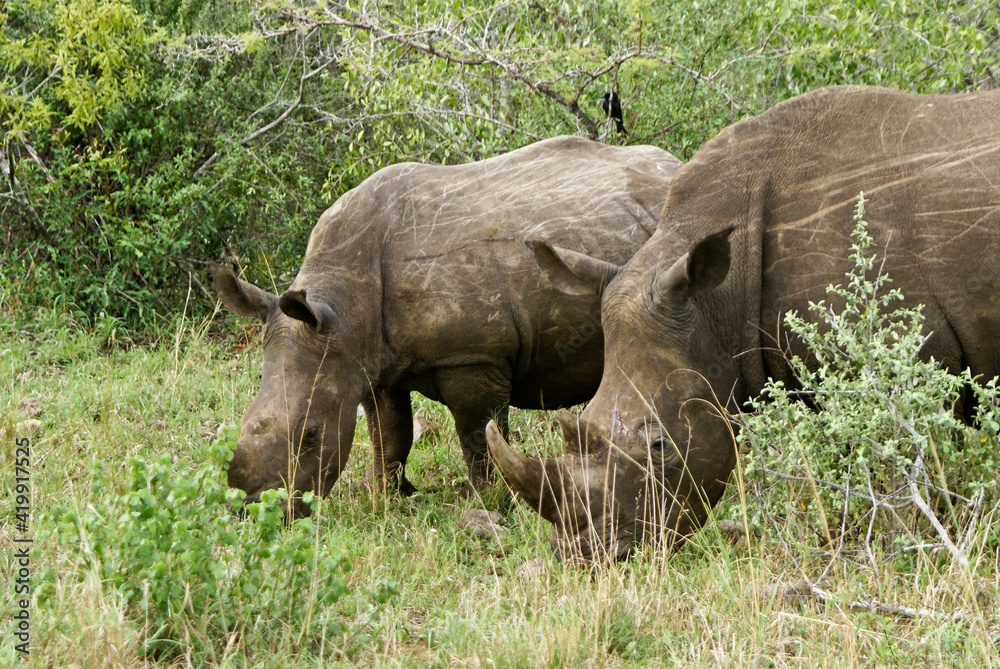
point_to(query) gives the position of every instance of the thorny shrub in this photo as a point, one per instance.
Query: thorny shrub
(875, 460)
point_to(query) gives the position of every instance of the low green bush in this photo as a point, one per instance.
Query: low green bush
(189, 573)
(875, 459)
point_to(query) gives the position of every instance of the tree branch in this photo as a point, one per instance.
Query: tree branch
(919, 441)
(305, 76)
(876, 606)
(467, 54)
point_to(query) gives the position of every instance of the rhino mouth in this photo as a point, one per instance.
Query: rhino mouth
(613, 543)
(587, 548)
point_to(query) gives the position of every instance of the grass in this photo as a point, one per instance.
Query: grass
(461, 600)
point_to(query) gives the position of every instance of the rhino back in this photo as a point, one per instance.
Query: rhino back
(789, 179)
(456, 283)
(568, 190)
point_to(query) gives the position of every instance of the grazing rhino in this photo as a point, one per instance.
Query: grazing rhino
(419, 279)
(757, 224)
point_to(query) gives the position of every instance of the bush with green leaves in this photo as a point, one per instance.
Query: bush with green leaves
(875, 459)
(141, 139)
(189, 573)
(123, 163)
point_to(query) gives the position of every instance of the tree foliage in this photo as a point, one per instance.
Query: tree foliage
(142, 138)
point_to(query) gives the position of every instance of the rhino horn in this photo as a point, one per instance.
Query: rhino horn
(582, 437)
(528, 477)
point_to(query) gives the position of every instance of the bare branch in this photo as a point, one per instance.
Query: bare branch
(920, 442)
(890, 609)
(467, 54)
(17, 192)
(281, 117)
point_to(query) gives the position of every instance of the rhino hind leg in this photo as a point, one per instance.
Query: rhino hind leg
(390, 425)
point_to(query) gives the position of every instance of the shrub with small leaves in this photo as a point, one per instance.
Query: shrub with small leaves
(875, 459)
(186, 567)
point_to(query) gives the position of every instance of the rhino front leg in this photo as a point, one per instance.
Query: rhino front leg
(475, 396)
(390, 424)
(472, 435)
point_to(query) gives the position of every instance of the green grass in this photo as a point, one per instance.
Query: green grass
(460, 601)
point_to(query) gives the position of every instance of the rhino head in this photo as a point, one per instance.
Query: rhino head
(297, 433)
(651, 452)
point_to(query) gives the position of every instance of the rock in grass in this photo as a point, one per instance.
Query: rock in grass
(731, 531)
(531, 569)
(482, 523)
(209, 431)
(30, 407)
(28, 427)
(422, 427)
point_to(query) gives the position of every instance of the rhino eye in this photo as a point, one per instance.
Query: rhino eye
(657, 445)
(311, 436)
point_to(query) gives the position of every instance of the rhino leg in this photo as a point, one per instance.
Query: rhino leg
(476, 395)
(472, 435)
(390, 424)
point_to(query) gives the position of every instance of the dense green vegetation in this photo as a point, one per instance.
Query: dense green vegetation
(143, 138)
(874, 459)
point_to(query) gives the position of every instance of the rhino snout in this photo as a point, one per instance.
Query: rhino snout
(245, 469)
(599, 543)
(239, 467)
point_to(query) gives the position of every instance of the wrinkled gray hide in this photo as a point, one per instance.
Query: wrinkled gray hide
(424, 278)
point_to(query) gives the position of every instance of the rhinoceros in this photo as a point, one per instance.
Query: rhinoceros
(419, 280)
(756, 224)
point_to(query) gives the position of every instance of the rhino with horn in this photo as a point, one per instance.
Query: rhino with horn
(757, 224)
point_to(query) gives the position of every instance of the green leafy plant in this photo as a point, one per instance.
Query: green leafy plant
(875, 458)
(172, 548)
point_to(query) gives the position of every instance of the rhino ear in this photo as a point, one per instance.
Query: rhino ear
(318, 316)
(239, 296)
(571, 272)
(699, 270)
